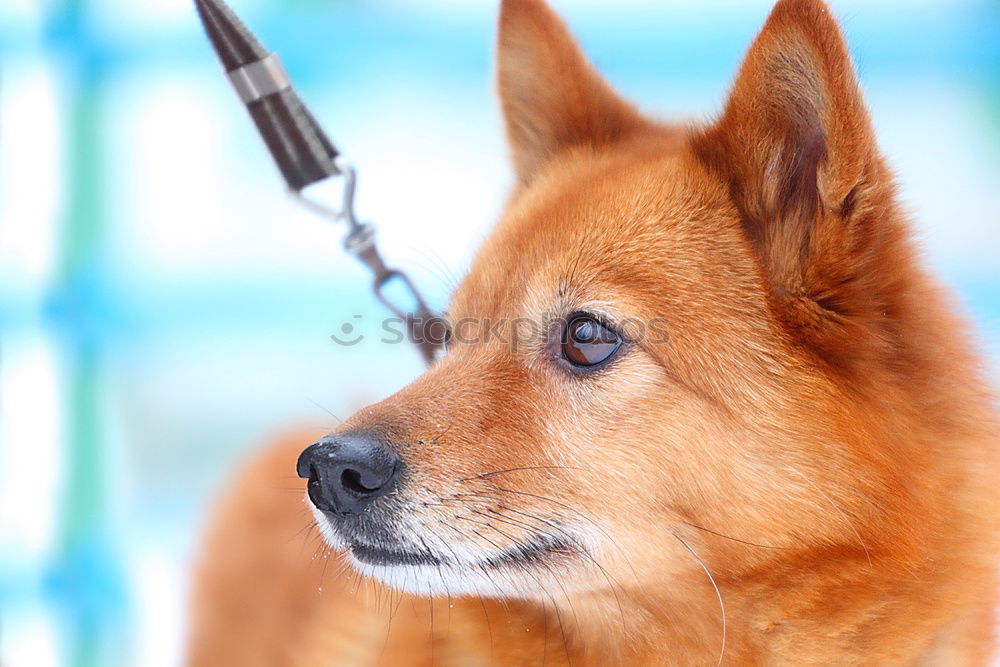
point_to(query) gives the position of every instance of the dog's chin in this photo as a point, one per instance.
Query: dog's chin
(517, 572)
(488, 575)
(448, 580)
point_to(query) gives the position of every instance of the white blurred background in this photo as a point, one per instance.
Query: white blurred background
(165, 309)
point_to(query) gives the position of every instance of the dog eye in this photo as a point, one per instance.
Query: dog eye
(587, 342)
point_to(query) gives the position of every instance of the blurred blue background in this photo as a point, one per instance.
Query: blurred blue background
(164, 308)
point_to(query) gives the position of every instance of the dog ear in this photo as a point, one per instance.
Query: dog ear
(796, 147)
(552, 98)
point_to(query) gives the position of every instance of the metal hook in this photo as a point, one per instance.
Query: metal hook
(346, 211)
(303, 152)
(360, 242)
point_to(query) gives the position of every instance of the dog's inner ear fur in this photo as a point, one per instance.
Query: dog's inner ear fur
(795, 136)
(551, 96)
(796, 148)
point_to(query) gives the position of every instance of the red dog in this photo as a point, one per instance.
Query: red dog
(796, 466)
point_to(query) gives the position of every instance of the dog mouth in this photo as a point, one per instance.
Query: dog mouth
(538, 550)
(390, 557)
(419, 561)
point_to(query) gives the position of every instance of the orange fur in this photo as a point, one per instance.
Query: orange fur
(812, 437)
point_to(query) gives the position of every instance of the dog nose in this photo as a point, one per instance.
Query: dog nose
(348, 472)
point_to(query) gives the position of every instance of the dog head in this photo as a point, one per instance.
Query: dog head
(654, 358)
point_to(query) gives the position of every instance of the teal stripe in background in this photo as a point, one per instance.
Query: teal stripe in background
(85, 581)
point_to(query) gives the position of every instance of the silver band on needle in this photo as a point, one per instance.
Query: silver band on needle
(260, 79)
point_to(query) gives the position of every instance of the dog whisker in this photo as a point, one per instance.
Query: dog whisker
(835, 506)
(541, 586)
(718, 593)
(613, 584)
(729, 537)
(324, 409)
(434, 264)
(578, 514)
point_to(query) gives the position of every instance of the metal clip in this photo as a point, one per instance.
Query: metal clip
(420, 322)
(306, 156)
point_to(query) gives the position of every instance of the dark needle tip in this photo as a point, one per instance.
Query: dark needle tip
(298, 145)
(235, 44)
